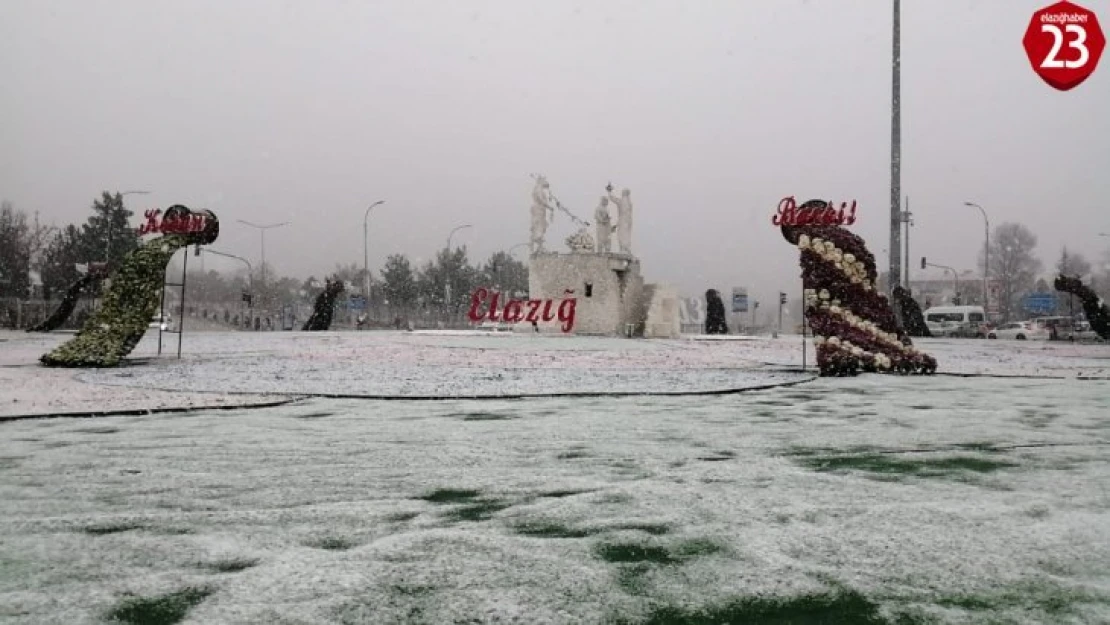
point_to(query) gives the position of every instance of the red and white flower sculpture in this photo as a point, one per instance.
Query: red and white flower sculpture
(854, 326)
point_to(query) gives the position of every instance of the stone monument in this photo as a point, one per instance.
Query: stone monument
(543, 212)
(604, 224)
(610, 293)
(624, 218)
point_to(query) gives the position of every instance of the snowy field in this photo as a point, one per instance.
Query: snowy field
(720, 499)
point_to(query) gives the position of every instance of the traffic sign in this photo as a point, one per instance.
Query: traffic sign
(1064, 43)
(1039, 303)
(739, 299)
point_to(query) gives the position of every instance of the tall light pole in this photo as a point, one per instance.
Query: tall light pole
(366, 249)
(108, 243)
(262, 232)
(896, 149)
(447, 278)
(986, 257)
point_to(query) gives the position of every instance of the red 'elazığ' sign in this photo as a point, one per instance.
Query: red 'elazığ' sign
(1064, 43)
(790, 215)
(185, 224)
(515, 310)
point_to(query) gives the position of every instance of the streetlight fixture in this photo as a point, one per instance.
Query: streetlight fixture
(250, 269)
(955, 276)
(447, 279)
(262, 231)
(986, 255)
(366, 249)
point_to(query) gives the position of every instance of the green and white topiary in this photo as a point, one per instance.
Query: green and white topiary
(131, 300)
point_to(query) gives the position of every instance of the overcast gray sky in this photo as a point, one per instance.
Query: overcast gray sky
(710, 111)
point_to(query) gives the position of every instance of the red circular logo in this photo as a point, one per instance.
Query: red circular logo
(1064, 43)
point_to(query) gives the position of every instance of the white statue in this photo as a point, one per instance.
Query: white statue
(624, 219)
(581, 242)
(543, 212)
(604, 224)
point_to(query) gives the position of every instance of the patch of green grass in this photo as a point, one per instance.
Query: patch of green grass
(891, 465)
(9, 462)
(97, 430)
(485, 416)
(480, 510)
(718, 456)
(572, 454)
(331, 543)
(1045, 596)
(450, 495)
(158, 610)
(631, 552)
(231, 565)
(113, 528)
(564, 493)
(315, 415)
(401, 517)
(841, 608)
(985, 447)
(550, 529)
(630, 577)
(673, 554)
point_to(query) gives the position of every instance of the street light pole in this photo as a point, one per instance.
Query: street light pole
(366, 249)
(986, 257)
(896, 148)
(447, 278)
(262, 232)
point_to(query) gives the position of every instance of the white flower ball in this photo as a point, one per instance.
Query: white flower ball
(824, 294)
(817, 244)
(834, 341)
(803, 241)
(850, 258)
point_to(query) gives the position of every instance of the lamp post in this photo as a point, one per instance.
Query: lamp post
(447, 278)
(250, 269)
(366, 249)
(986, 256)
(108, 243)
(262, 232)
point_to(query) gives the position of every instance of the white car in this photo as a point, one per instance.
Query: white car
(159, 323)
(1019, 330)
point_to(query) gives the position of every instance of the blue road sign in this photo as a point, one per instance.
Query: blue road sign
(356, 302)
(1039, 303)
(739, 299)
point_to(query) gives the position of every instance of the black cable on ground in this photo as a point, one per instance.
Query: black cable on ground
(141, 412)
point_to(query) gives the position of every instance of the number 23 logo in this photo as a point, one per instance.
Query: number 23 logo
(1052, 60)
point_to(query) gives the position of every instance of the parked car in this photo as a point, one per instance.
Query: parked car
(1019, 330)
(159, 323)
(957, 321)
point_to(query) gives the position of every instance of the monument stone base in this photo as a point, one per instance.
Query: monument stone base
(608, 288)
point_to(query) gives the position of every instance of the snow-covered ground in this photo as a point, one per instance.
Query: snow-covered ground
(891, 499)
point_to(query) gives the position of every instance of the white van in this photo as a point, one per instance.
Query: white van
(967, 321)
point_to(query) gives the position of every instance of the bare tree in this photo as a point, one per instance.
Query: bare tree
(1013, 265)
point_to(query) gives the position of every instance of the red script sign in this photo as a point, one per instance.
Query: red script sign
(516, 310)
(1064, 43)
(171, 225)
(790, 215)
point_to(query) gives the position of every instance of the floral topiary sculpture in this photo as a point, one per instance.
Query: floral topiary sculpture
(132, 299)
(854, 326)
(68, 303)
(320, 321)
(1096, 310)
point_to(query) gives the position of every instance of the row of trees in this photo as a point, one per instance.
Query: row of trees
(1016, 269)
(26, 245)
(443, 284)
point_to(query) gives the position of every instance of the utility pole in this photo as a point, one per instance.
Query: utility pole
(896, 150)
(366, 251)
(907, 217)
